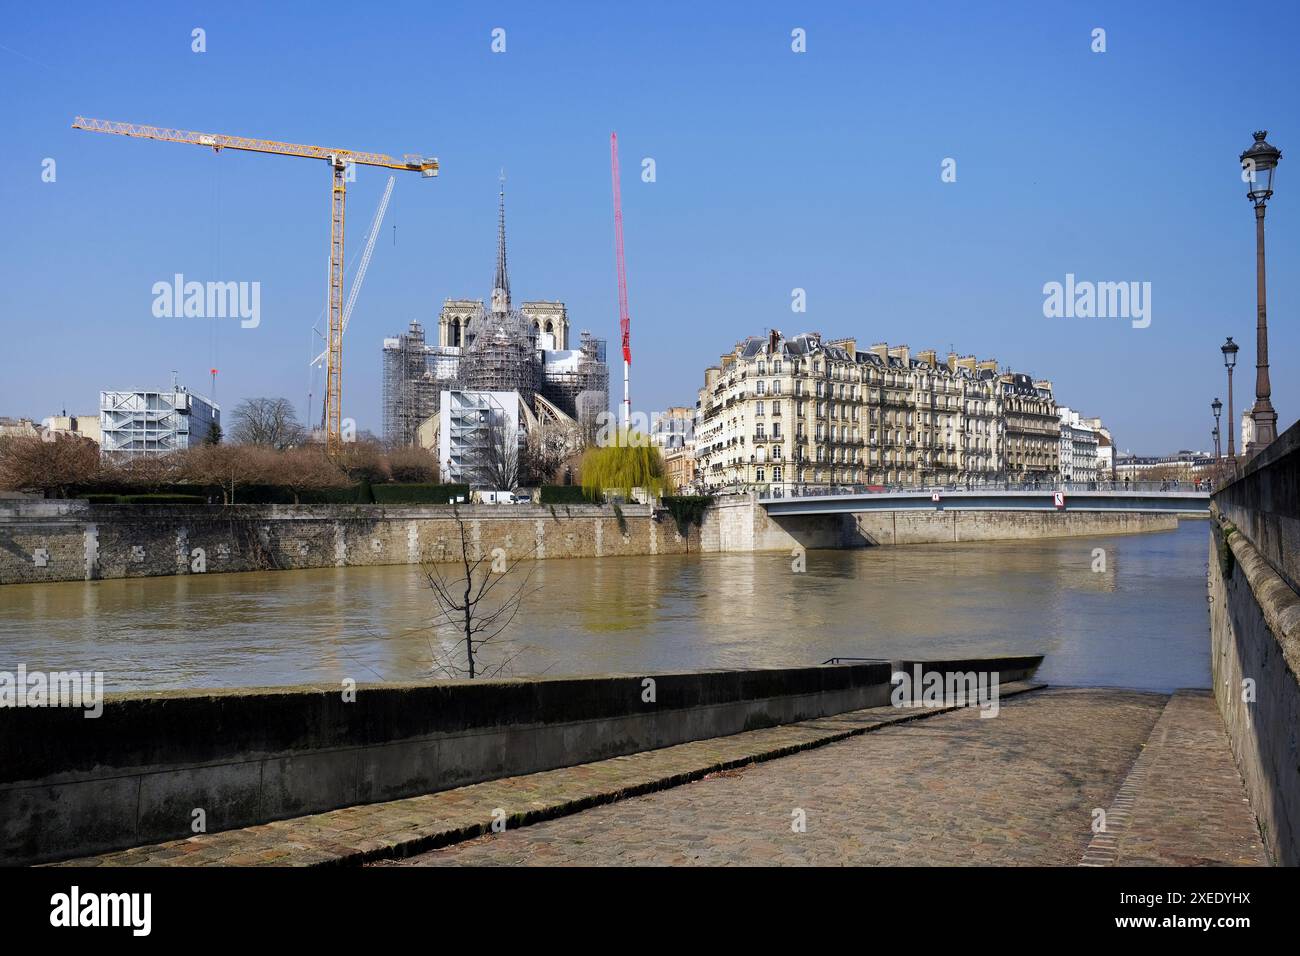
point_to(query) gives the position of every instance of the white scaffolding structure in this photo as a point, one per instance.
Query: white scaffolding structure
(146, 422)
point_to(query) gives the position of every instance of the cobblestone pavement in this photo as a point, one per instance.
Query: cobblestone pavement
(882, 786)
(1019, 788)
(1184, 803)
(401, 827)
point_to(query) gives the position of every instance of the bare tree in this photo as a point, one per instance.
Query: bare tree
(149, 473)
(474, 607)
(304, 469)
(547, 449)
(226, 467)
(266, 421)
(413, 464)
(364, 460)
(495, 462)
(54, 463)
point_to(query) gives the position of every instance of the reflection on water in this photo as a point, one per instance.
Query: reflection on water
(1140, 623)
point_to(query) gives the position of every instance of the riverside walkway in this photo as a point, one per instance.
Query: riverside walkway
(881, 786)
(954, 789)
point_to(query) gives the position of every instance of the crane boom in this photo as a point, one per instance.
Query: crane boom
(341, 162)
(220, 141)
(624, 319)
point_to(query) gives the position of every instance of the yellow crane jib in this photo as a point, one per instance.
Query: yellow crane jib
(339, 161)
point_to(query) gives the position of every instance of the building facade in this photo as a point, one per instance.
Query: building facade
(1185, 465)
(1079, 448)
(146, 422)
(780, 411)
(82, 426)
(1105, 449)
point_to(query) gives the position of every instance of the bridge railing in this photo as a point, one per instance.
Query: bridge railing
(793, 490)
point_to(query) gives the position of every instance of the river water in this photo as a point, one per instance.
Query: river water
(1141, 622)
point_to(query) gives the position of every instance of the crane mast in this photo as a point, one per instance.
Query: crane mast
(360, 275)
(624, 320)
(341, 161)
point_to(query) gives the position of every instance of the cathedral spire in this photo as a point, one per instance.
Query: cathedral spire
(501, 285)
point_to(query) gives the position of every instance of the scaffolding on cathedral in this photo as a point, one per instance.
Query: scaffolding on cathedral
(502, 356)
(414, 375)
(578, 383)
(494, 348)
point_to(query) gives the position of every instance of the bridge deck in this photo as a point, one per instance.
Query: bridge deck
(1179, 502)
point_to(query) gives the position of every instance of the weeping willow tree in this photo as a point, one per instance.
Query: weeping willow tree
(629, 461)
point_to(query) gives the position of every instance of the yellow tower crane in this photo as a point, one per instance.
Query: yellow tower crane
(341, 162)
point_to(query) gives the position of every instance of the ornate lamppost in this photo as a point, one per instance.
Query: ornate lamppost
(1216, 406)
(1229, 349)
(1258, 164)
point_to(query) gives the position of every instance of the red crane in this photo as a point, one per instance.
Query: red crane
(625, 321)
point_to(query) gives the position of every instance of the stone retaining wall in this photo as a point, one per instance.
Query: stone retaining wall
(73, 541)
(42, 541)
(72, 785)
(740, 524)
(1255, 635)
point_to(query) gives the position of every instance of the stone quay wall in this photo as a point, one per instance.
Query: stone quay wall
(739, 524)
(1254, 568)
(44, 541)
(72, 785)
(74, 541)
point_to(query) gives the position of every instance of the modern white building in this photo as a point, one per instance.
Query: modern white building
(468, 424)
(144, 422)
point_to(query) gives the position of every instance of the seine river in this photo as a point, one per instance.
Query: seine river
(1142, 622)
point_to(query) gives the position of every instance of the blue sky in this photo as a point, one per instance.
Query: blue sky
(775, 170)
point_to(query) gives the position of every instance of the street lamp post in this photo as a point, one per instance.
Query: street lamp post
(1216, 406)
(1258, 164)
(1229, 349)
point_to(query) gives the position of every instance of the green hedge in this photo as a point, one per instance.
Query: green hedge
(162, 499)
(563, 495)
(276, 495)
(418, 493)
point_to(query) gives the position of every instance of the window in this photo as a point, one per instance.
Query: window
(758, 388)
(776, 387)
(776, 473)
(758, 475)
